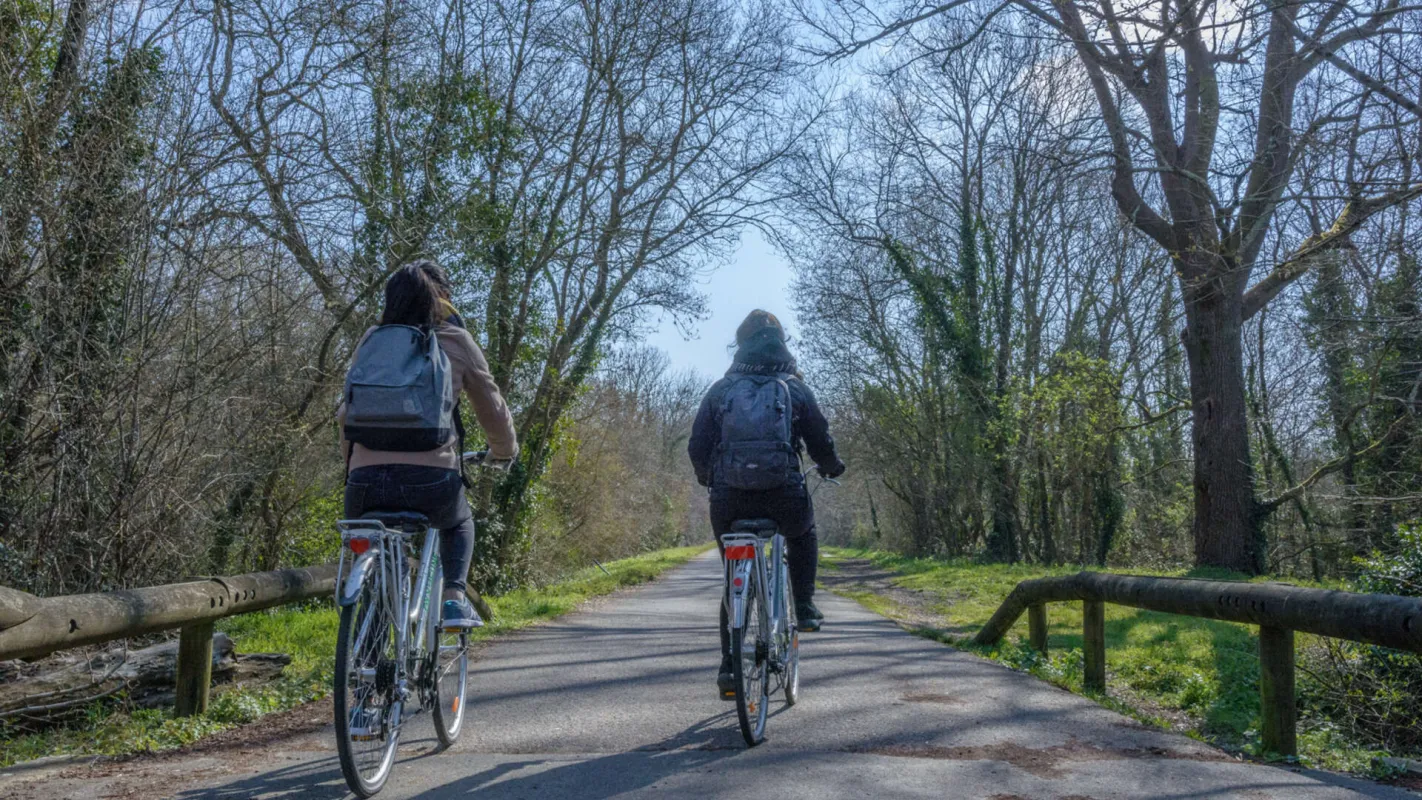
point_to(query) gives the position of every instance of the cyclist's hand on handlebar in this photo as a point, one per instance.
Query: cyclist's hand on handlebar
(831, 472)
(481, 458)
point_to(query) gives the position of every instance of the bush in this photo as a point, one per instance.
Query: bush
(1372, 692)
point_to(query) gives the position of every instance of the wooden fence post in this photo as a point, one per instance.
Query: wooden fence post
(1278, 712)
(194, 669)
(1037, 627)
(1093, 643)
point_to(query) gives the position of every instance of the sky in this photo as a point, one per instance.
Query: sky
(756, 277)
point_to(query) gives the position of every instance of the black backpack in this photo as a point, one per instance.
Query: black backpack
(756, 453)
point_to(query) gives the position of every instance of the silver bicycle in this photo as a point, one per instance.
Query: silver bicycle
(393, 659)
(765, 643)
(765, 635)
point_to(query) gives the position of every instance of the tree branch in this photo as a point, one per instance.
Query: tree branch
(1268, 505)
(1354, 214)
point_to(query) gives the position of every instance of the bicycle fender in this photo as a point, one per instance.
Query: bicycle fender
(351, 590)
(738, 597)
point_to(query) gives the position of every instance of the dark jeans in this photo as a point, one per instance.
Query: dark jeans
(793, 513)
(437, 493)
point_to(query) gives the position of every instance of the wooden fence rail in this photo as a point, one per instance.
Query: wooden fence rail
(35, 626)
(1278, 609)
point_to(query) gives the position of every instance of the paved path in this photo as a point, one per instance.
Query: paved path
(618, 701)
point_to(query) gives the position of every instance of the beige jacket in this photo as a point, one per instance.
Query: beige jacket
(471, 375)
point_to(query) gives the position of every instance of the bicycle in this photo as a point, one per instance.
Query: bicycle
(390, 647)
(760, 609)
(765, 644)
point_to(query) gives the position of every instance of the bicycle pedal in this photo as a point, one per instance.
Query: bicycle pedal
(729, 697)
(363, 735)
(462, 629)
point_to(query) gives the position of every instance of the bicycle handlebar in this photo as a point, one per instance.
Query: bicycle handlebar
(480, 458)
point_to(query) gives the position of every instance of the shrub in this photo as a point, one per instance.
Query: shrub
(1373, 692)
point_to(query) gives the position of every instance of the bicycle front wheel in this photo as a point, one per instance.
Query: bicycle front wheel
(367, 723)
(749, 648)
(449, 656)
(792, 646)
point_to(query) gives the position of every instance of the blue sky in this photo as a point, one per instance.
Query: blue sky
(756, 277)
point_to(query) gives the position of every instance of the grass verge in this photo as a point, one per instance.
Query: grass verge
(1197, 676)
(308, 634)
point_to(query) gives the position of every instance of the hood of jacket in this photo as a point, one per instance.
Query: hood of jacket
(764, 354)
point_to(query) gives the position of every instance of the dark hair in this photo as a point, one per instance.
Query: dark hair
(759, 324)
(411, 298)
(436, 275)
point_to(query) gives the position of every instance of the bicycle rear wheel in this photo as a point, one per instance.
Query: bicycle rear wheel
(449, 656)
(792, 649)
(749, 648)
(367, 724)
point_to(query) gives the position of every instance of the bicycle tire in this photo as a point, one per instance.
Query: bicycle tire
(752, 688)
(792, 654)
(449, 695)
(365, 641)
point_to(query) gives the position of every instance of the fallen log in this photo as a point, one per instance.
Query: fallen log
(64, 683)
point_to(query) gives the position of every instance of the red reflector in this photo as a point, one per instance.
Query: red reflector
(358, 546)
(740, 552)
(737, 583)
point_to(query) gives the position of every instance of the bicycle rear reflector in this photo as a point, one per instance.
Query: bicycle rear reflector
(358, 545)
(740, 552)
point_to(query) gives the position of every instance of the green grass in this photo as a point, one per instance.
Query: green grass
(1157, 663)
(308, 635)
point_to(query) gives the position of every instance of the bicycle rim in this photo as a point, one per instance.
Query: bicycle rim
(792, 654)
(450, 678)
(748, 652)
(367, 727)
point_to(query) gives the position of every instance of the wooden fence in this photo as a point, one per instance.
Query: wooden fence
(33, 626)
(1278, 609)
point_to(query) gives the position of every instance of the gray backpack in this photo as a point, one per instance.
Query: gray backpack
(400, 391)
(756, 453)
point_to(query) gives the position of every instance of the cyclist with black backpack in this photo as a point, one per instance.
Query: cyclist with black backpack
(745, 446)
(399, 416)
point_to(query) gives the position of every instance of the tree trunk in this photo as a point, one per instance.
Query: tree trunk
(1003, 541)
(1226, 527)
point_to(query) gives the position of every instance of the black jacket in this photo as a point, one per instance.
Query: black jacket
(808, 427)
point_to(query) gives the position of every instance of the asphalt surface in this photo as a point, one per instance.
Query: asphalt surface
(618, 700)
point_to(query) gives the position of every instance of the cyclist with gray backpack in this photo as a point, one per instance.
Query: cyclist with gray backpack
(400, 428)
(745, 446)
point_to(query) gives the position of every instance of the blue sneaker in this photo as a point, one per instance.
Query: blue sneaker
(460, 615)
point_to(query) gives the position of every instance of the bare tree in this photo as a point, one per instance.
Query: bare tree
(1200, 104)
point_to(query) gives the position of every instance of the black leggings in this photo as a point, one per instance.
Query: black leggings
(437, 493)
(793, 513)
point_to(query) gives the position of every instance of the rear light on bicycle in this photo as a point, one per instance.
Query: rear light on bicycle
(738, 582)
(740, 552)
(358, 545)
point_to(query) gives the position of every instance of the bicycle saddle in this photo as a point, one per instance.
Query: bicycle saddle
(408, 521)
(754, 526)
